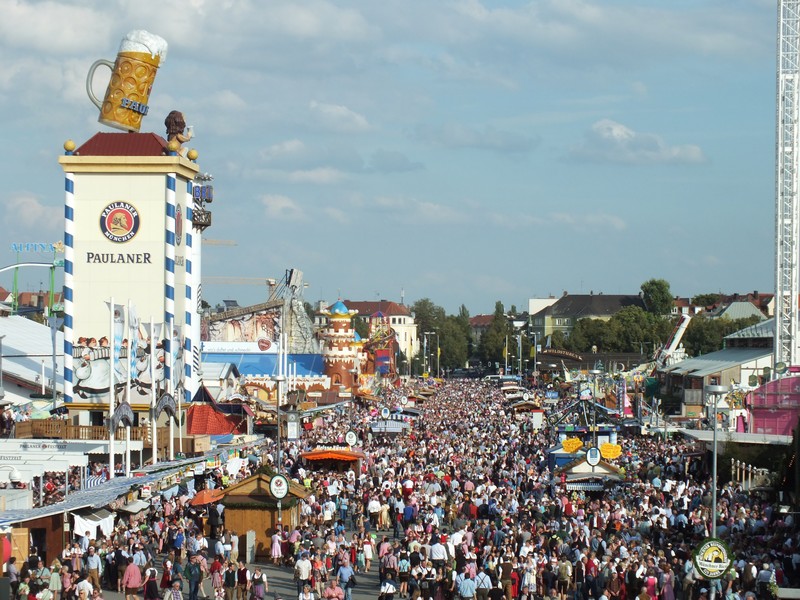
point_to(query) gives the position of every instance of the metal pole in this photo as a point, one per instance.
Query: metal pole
(2, 390)
(714, 392)
(111, 397)
(153, 424)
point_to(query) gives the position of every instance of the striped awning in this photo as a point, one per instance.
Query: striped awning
(93, 481)
(585, 486)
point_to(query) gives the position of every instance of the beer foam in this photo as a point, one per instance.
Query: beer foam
(140, 40)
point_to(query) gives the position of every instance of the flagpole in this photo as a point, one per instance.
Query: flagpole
(180, 396)
(111, 394)
(153, 419)
(168, 384)
(128, 395)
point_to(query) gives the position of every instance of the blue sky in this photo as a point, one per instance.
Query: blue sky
(466, 151)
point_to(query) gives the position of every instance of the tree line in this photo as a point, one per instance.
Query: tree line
(633, 330)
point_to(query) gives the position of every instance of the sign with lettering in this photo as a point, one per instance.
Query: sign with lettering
(572, 445)
(610, 451)
(712, 558)
(119, 222)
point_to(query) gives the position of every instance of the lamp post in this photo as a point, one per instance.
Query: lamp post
(426, 334)
(715, 392)
(594, 373)
(2, 390)
(279, 379)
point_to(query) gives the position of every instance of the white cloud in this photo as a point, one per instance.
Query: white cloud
(281, 208)
(322, 176)
(26, 210)
(335, 214)
(612, 142)
(55, 27)
(461, 136)
(588, 222)
(408, 209)
(339, 118)
(392, 161)
(227, 100)
(285, 148)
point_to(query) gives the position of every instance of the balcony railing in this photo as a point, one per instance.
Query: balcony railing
(62, 430)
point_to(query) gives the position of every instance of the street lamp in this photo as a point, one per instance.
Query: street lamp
(594, 373)
(2, 391)
(715, 393)
(279, 379)
(426, 334)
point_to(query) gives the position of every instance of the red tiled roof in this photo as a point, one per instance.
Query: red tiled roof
(206, 419)
(389, 309)
(123, 144)
(481, 320)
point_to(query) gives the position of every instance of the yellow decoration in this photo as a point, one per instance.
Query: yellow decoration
(610, 451)
(173, 145)
(69, 145)
(571, 445)
(192, 154)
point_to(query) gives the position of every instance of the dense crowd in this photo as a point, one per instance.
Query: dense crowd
(469, 494)
(461, 506)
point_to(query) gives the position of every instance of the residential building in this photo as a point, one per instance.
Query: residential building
(565, 312)
(746, 355)
(738, 309)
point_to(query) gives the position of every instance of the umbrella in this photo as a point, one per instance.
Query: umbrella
(206, 497)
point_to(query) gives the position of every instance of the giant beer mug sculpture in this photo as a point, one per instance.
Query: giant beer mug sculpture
(132, 76)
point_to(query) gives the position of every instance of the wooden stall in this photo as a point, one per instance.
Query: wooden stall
(249, 505)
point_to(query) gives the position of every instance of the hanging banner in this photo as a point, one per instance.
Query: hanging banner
(166, 403)
(123, 414)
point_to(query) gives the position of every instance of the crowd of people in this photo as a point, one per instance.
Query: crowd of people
(468, 495)
(463, 505)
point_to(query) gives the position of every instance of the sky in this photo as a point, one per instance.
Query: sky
(465, 151)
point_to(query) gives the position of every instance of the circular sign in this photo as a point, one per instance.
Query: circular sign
(119, 222)
(526, 396)
(593, 456)
(264, 344)
(712, 558)
(403, 400)
(385, 413)
(351, 438)
(279, 486)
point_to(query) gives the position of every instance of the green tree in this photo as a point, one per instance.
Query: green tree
(453, 343)
(705, 334)
(591, 332)
(493, 340)
(557, 340)
(657, 297)
(462, 319)
(705, 299)
(361, 326)
(427, 315)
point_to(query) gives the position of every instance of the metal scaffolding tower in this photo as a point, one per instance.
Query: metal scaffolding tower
(787, 207)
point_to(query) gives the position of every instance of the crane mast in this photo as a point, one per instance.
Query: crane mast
(787, 210)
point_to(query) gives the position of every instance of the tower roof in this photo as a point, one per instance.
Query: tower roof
(123, 144)
(339, 309)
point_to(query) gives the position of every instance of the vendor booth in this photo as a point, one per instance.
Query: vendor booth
(250, 506)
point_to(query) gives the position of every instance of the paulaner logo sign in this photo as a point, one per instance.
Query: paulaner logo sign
(712, 558)
(119, 222)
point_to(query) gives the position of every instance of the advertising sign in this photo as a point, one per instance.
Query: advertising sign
(712, 558)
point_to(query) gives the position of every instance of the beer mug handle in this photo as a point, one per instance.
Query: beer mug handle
(90, 77)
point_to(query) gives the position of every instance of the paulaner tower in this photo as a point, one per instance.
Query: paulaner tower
(129, 236)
